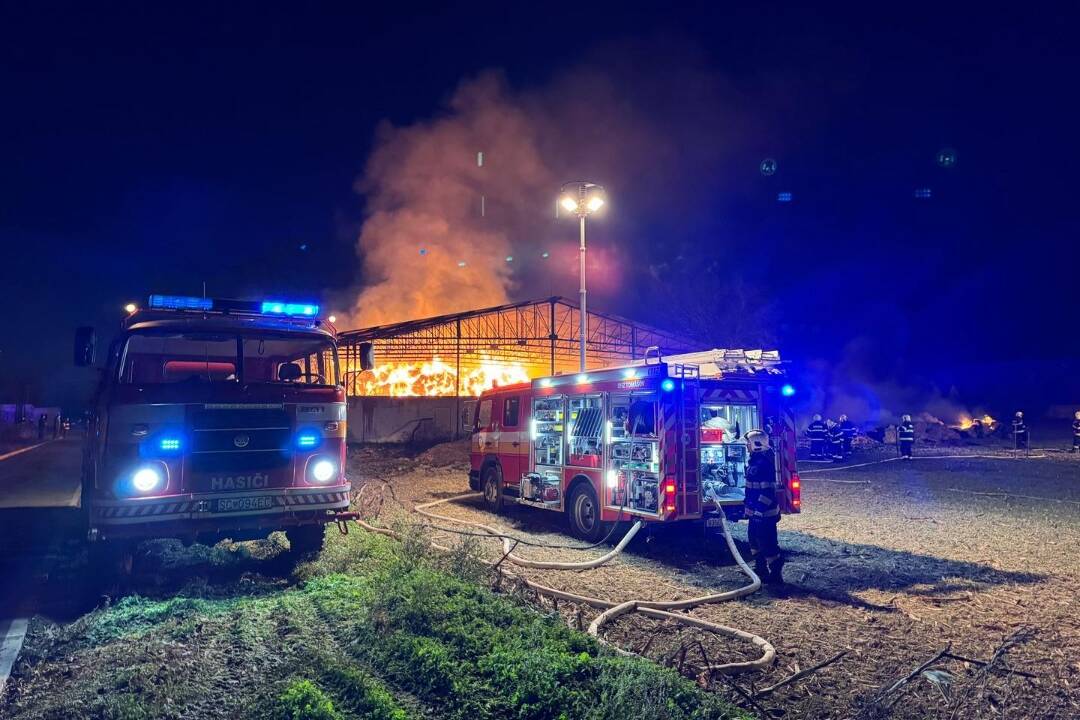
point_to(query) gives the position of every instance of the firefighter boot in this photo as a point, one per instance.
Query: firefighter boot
(776, 571)
(761, 568)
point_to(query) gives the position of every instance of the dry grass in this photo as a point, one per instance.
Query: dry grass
(893, 567)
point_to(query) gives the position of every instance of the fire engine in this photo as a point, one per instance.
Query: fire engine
(212, 419)
(659, 440)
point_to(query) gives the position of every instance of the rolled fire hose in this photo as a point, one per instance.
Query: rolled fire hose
(651, 608)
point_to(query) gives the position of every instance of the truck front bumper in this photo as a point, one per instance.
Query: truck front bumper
(199, 512)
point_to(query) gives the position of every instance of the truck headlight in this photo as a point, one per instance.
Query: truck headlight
(323, 470)
(147, 479)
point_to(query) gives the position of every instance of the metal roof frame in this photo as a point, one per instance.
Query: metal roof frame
(542, 335)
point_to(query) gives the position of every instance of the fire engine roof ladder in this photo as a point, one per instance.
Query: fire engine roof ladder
(688, 437)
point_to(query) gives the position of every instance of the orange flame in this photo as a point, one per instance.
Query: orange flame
(437, 378)
(966, 422)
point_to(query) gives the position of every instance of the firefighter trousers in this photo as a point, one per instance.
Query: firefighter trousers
(761, 532)
(817, 448)
(1076, 442)
(906, 447)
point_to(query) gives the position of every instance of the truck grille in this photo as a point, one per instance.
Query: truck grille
(237, 439)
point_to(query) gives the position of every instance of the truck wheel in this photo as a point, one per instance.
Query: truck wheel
(584, 514)
(492, 485)
(305, 540)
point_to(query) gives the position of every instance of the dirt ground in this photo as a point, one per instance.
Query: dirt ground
(892, 562)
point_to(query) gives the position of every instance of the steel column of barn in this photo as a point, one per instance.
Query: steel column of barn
(553, 335)
(457, 379)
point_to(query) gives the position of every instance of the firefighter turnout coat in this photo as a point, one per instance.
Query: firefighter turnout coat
(761, 486)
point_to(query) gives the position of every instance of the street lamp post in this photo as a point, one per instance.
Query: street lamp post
(582, 199)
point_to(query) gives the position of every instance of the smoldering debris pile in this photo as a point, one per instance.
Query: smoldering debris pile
(929, 430)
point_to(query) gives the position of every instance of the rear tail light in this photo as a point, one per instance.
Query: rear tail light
(796, 492)
(669, 494)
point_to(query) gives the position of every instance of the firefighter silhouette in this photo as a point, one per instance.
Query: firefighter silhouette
(1020, 431)
(817, 432)
(762, 508)
(905, 437)
(849, 431)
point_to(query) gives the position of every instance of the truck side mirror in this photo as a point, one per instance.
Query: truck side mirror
(367, 356)
(85, 346)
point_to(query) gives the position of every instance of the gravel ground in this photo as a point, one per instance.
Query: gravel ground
(892, 562)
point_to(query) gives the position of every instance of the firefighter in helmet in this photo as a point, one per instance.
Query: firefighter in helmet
(848, 431)
(817, 431)
(1020, 431)
(1076, 432)
(762, 508)
(905, 436)
(836, 440)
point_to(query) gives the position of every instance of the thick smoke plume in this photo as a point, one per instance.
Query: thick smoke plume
(446, 232)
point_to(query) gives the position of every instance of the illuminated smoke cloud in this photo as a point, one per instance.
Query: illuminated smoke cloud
(427, 245)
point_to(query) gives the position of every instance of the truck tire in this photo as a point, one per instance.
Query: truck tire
(491, 483)
(305, 540)
(583, 512)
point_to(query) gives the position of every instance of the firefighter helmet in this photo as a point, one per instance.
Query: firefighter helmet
(1077, 415)
(843, 418)
(905, 418)
(817, 417)
(1020, 414)
(757, 440)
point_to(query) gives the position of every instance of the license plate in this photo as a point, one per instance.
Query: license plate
(242, 504)
(714, 522)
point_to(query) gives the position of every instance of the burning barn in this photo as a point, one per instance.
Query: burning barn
(429, 371)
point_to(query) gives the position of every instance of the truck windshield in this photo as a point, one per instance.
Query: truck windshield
(155, 358)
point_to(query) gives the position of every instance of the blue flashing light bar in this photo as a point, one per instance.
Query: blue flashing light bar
(180, 302)
(272, 307)
(787, 390)
(667, 385)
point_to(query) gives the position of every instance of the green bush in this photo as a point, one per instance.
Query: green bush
(303, 700)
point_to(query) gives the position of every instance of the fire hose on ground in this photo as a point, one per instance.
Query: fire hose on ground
(656, 609)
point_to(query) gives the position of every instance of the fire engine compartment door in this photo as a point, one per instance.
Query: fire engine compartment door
(724, 454)
(632, 473)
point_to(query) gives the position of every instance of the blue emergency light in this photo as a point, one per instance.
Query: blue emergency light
(307, 440)
(169, 444)
(787, 390)
(244, 307)
(667, 385)
(180, 302)
(273, 307)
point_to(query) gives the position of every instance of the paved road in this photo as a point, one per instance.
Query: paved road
(46, 476)
(40, 531)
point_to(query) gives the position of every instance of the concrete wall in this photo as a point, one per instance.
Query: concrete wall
(404, 420)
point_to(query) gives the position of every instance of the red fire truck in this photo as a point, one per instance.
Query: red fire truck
(212, 419)
(661, 440)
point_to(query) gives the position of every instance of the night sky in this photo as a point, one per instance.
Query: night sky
(150, 150)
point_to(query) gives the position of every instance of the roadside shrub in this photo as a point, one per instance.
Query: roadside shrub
(303, 700)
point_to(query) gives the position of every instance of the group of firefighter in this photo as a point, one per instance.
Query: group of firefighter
(832, 440)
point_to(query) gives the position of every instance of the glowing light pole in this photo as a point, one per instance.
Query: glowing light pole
(582, 199)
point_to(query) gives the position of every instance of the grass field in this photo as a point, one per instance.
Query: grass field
(375, 628)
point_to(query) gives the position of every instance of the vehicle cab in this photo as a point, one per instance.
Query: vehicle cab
(216, 418)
